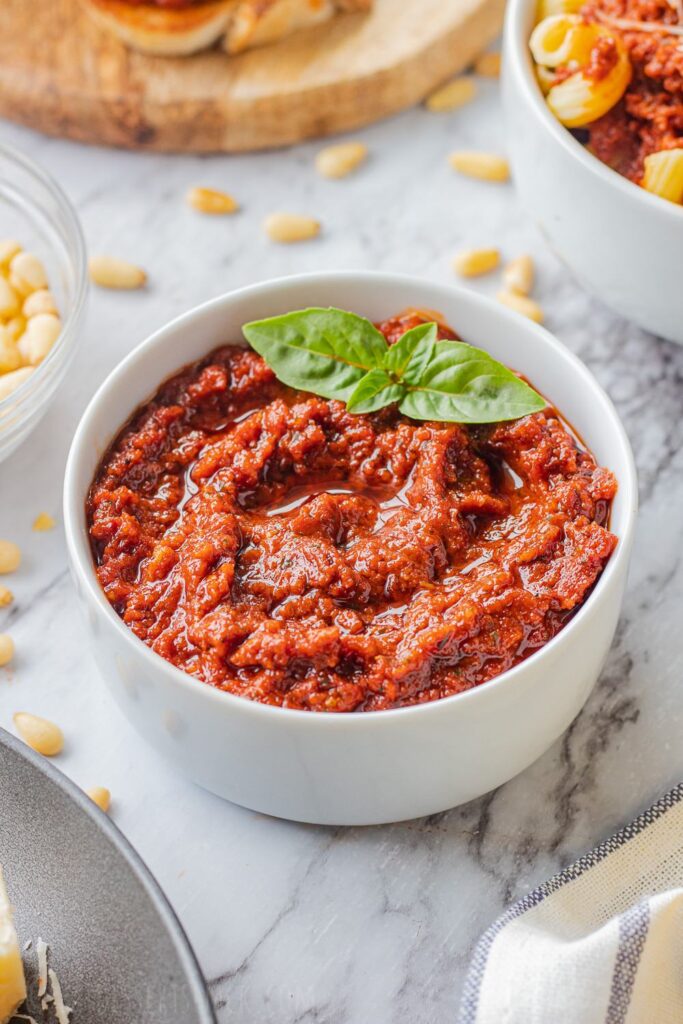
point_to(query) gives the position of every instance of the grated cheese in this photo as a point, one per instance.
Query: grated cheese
(62, 1012)
(41, 951)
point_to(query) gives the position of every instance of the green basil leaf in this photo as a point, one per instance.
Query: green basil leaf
(462, 384)
(375, 390)
(325, 351)
(408, 357)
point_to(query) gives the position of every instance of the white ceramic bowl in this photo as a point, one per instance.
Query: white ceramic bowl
(622, 243)
(368, 767)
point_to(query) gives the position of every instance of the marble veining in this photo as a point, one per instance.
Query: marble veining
(294, 923)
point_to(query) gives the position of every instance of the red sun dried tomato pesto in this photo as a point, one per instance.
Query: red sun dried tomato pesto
(276, 546)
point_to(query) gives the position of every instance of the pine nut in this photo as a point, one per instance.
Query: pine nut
(39, 302)
(518, 275)
(6, 596)
(100, 796)
(452, 95)
(43, 522)
(486, 166)
(42, 332)
(109, 272)
(9, 300)
(6, 649)
(472, 262)
(521, 304)
(16, 327)
(9, 248)
(40, 734)
(19, 285)
(9, 382)
(340, 160)
(10, 359)
(210, 200)
(488, 65)
(291, 227)
(10, 556)
(29, 271)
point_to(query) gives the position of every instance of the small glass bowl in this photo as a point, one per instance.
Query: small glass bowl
(35, 211)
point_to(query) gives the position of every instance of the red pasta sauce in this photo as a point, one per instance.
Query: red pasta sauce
(649, 117)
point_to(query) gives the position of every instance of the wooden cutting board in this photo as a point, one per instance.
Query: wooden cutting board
(61, 74)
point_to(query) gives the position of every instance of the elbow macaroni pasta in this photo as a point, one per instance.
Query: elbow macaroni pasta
(564, 40)
(664, 174)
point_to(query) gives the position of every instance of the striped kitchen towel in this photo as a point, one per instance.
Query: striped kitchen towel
(600, 943)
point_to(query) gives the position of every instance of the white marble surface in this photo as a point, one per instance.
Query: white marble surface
(294, 923)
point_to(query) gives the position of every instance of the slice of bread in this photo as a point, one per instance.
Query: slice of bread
(164, 31)
(172, 31)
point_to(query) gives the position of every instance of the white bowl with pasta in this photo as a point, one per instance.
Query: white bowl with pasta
(623, 243)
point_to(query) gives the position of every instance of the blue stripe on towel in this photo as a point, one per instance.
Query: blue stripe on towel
(633, 927)
(470, 997)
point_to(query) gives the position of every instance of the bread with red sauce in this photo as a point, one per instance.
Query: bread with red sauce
(182, 27)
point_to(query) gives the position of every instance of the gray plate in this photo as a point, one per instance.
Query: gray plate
(119, 951)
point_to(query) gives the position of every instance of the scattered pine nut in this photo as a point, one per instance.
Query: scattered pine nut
(521, 304)
(10, 556)
(211, 200)
(28, 271)
(9, 382)
(100, 796)
(454, 94)
(291, 227)
(9, 248)
(43, 522)
(339, 160)
(518, 275)
(472, 262)
(6, 649)
(487, 166)
(40, 734)
(6, 596)
(488, 65)
(39, 302)
(109, 272)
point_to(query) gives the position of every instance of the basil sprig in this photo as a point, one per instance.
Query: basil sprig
(340, 355)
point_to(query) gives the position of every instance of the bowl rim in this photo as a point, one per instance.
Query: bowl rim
(517, 56)
(82, 565)
(69, 325)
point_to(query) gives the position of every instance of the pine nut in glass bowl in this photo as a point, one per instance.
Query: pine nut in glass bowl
(36, 214)
(622, 243)
(338, 767)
